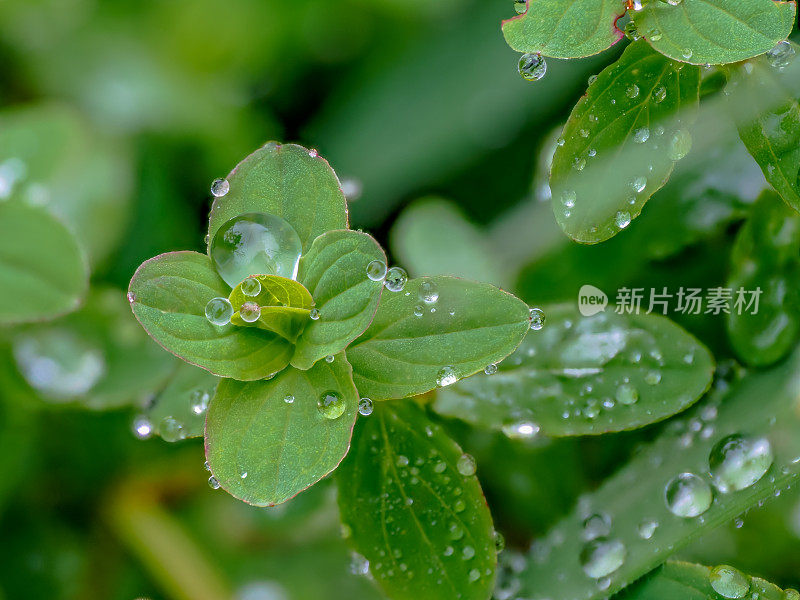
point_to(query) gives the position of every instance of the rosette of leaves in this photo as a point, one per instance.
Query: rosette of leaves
(287, 399)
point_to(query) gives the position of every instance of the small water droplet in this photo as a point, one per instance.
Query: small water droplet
(622, 219)
(736, 462)
(687, 53)
(251, 287)
(396, 279)
(198, 401)
(330, 358)
(213, 483)
(446, 376)
(729, 582)
(521, 6)
(532, 67)
(687, 495)
(639, 184)
(521, 429)
(313, 314)
(490, 369)
(641, 135)
(602, 556)
(680, 144)
(596, 525)
(781, 55)
(142, 427)
(647, 528)
(288, 398)
(466, 465)
(631, 31)
(428, 291)
(219, 311)
(250, 312)
(568, 198)
(537, 318)
(365, 407)
(331, 405)
(376, 270)
(627, 394)
(659, 94)
(220, 187)
(171, 430)
(131, 297)
(632, 91)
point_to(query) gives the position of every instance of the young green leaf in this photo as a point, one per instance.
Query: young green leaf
(586, 375)
(43, 272)
(685, 581)
(433, 237)
(714, 31)
(621, 142)
(168, 295)
(284, 305)
(565, 29)
(185, 399)
(418, 341)
(266, 441)
(335, 272)
(287, 181)
(764, 97)
(639, 529)
(765, 264)
(414, 513)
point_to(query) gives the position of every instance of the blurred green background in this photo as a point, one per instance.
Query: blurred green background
(124, 111)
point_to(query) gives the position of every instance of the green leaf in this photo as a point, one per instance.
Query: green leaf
(766, 260)
(565, 29)
(714, 31)
(764, 99)
(187, 390)
(287, 181)
(424, 527)
(169, 294)
(55, 155)
(685, 581)
(621, 142)
(587, 375)
(43, 272)
(264, 450)
(285, 306)
(761, 404)
(335, 272)
(402, 354)
(433, 237)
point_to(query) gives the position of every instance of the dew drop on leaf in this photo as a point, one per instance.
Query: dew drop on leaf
(622, 219)
(631, 32)
(521, 430)
(647, 528)
(659, 94)
(365, 407)
(219, 311)
(532, 67)
(251, 287)
(466, 465)
(639, 184)
(250, 312)
(313, 314)
(602, 556)
(446, 376)
(220, 187)
(781, 55)
(680, 144)
(396, 279)
(537, 318)
(255, 244)
(736, 462)
(687, 495)
(729, 582)
(198, 401)
(641, 135)
(331, 405)
(627, 394)
(428, 292)
(288, 399)
(521, 6)
(632, 91)
(171, 430)
(213, 483)
(596, 525)
(376, 270)
(490, 369)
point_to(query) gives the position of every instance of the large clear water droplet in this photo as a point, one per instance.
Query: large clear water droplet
(602, 556)
(736, 462)
(729, 582)
(687, 495)
(255, 244)
(376, 270)
(532, 67)
(219, 311)
(331, 405)
(251, 287)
